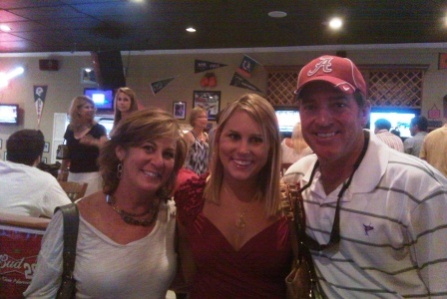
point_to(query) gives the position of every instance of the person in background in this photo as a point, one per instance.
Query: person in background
(294, 148)
(125, 246)
(26, 190)
(84, 137)
(382, 131)
(418, 129)
(376, 224)
(238, 239)
(434, 149)
(197, 140)
(125, 102)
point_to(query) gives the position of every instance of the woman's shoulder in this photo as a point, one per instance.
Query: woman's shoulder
(189, 192)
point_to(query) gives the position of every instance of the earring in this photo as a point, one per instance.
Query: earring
(119, 170)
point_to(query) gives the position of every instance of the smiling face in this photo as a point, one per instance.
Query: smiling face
(123, 102)
(332, 122)
(148, 166)
(243, 148)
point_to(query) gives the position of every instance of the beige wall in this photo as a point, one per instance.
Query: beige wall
(146, 67)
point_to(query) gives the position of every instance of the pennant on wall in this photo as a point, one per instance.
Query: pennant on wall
(40, 92)
(202, 66)
(159, 85)
(442, 61)
(246, 67)
(241, 82)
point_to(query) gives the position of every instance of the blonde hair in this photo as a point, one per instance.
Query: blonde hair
(140, 127)
(195, 112)
(298, 142)
(133, 103)
(73, 111)
(263, 114)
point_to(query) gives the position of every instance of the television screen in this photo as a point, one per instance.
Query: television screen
(9, 114)
(287, 119)
(103, 99)
(399, 119)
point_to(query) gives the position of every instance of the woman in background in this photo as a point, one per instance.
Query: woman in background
(197, 140)
(125, 102)
(237, 235)
(84, 137)
(125, 247)
(294, 148)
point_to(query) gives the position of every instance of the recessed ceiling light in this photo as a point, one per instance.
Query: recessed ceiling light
(5, 28)
(277, 14)
(191, 29)
(335, 23)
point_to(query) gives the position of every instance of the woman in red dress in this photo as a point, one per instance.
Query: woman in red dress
(237, 236)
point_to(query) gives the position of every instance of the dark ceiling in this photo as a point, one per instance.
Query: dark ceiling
(102, 25)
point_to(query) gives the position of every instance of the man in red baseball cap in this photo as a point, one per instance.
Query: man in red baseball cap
(375, 218)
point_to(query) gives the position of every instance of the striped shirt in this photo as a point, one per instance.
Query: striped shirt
(393, 227)
(391, 140)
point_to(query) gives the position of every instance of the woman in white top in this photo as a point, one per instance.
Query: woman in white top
(125, 246)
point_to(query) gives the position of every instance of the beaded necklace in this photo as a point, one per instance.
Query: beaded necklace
(129, 218)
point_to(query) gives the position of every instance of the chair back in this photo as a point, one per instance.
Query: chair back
(74, 190)
(20, 242)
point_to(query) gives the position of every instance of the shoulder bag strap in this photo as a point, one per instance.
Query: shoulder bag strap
(71, 224)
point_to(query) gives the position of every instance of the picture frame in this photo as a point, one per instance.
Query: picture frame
(88, 76)
(209, 100)
(179, 110)
(5, 156)
(46, 147)
(1, 143)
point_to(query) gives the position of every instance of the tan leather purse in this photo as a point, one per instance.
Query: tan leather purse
(301, 281)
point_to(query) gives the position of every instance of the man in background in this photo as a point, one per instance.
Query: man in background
(418, 129)
(375, 218)
(382, 131)
(26, 190)
(434, 149)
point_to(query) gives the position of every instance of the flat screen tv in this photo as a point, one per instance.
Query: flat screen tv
(399, 118)
(9, 114)
(103, 98)
(287, 119)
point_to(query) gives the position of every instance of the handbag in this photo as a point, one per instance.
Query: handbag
(62, 151)
(301, 281)
(70, 213)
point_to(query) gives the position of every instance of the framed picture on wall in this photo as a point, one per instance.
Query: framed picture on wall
(209, 100)
(88, 76)
(46, 147)
(179, 110)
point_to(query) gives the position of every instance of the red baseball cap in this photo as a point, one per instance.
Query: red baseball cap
(341, 72)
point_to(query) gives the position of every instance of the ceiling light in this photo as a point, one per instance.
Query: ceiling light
(335, 23)
(191, 29)
(5, 28)
(277, 14)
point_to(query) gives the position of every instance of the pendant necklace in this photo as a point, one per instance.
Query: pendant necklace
(129, 218)
(240, 222)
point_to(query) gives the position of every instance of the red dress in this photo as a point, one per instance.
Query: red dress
(257, 270)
